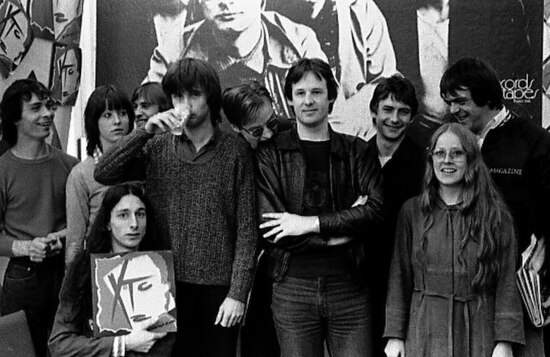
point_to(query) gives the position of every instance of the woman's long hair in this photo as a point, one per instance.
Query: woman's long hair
(77, 285)
(482, 209)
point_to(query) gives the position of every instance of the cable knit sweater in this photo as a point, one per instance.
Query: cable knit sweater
(205, 210)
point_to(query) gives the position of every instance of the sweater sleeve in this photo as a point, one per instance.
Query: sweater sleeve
(246, 230)
(78, 213)
(400, 285)
(508, 320)
(67, 339)
(125, 161)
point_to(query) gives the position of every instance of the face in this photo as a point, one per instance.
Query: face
(193, 104)
(14, 32)
(392, 118)
(67, 66)
(113, 125)
(144, 286)
(36, 118)
(467, 112)
(262, 127)
(310, 100)
(144, 110)
(449, 160)
(232, 15)
(127, 224)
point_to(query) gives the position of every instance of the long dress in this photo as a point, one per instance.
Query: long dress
(432, 306)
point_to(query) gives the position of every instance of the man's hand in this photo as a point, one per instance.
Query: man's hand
(287, 224)
(38, 249)
(55, 244)
(395, 348)
(141, 340)
(230, 313)
(502, 349)
(161, 123)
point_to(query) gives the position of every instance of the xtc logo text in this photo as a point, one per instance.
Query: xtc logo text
(519, 90)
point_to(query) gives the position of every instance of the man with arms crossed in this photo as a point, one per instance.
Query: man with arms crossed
(200, 183)
(320, 200)
(33, 175)
(516, 151)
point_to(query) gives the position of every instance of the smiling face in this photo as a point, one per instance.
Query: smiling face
(232, 15)
(467, 112)
(127, 224)
(310, 100)
(144, 110)
(449, 160)
(36, 119)
(113, 125)
(392, 119)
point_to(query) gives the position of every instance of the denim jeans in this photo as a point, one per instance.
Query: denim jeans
(311, 311)
(33, 287)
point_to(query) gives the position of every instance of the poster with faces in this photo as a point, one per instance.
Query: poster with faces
(15, 35)
(133, 289)
(66, 74)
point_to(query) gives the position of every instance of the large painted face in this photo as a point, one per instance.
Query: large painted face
(66, 13)
(232, 15)
(66, 75)
(15, 35)
(149, 296)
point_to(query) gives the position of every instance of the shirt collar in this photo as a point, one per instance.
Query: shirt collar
(502, 117)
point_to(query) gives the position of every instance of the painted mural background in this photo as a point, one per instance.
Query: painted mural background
(363, 40)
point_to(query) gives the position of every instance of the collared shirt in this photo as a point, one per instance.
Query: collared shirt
(499, 119)
(186, 148)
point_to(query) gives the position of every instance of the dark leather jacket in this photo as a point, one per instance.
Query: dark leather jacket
(354, 171)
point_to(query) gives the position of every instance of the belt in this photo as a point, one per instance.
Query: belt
(466, 311)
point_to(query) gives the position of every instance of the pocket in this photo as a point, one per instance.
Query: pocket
(17, 272)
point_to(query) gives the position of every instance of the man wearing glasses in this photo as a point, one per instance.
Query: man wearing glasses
(249, 109)
(516, 151)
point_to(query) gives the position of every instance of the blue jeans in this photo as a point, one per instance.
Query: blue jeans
(33, 287)
(309, 311)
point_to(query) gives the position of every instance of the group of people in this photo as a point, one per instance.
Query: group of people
(297, 238)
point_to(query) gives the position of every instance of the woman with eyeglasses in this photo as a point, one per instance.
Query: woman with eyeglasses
(452, 289)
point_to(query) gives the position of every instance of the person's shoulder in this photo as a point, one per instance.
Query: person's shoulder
(527, 129)
(232, 141)
(65, 158)
(83, 167)
(291, 29)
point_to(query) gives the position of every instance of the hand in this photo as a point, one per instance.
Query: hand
(38, 249)
(288, 224)
(361, 200)
(163, 122)
(502, 349)
(55, 245)
(395, 348)
(230, 313)
(141, 340)
(331, 242)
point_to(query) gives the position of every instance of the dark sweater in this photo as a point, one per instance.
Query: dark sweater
(206, 211)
